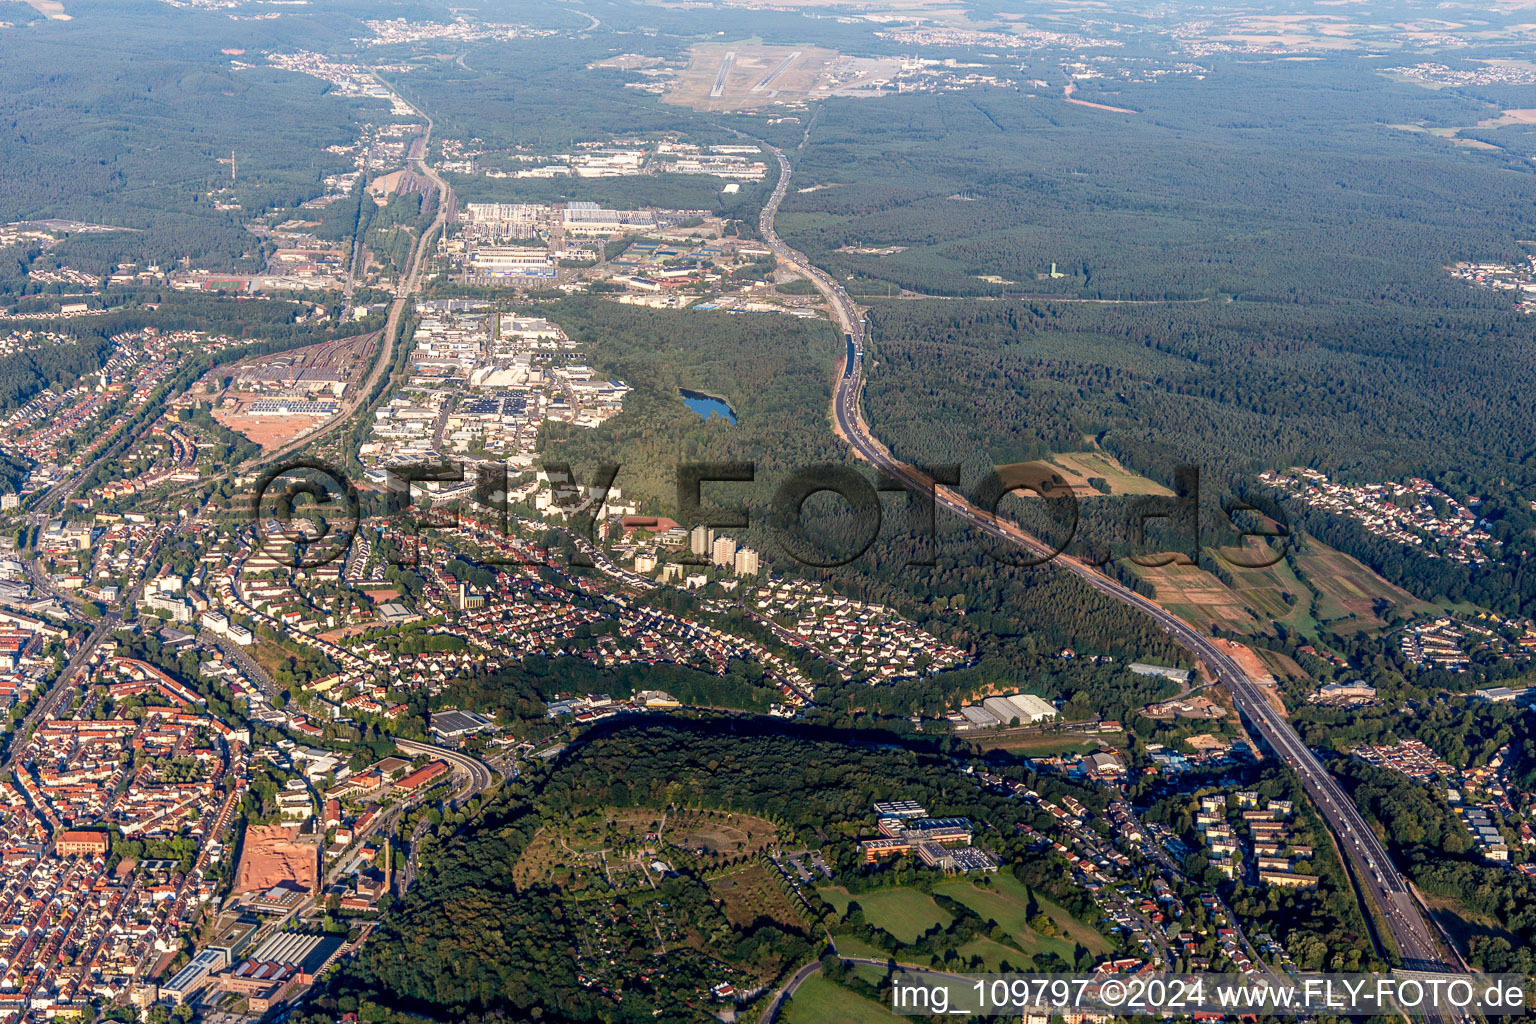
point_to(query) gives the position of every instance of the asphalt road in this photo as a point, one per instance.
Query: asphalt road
(410, 283)
(771, 1012)
(58, 694)
(1370, 865)
(478, 773)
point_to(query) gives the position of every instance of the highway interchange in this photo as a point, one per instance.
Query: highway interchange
(1372, 869)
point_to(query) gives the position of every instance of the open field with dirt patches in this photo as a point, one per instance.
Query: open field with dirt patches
(1351, 597)
(1077, 468)
(1316, 588)
(320, 381)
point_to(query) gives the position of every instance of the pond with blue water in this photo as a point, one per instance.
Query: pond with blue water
(707, 406)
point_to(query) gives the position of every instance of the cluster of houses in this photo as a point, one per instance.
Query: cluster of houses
(139, 362)
(1485, 833)
(178, 453)
(1476, 793)
(1410, 757)
(1510, 277)
(1416, 513)
(865, 641)
(1275, 849)
(187, 775)
(24, 660)
(1192, 706)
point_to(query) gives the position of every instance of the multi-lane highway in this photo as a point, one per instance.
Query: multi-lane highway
(1400, 915)
(478, 775)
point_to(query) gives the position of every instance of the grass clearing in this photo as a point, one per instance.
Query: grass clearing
(1006, 901)
(819, 1001)
(905, 913)
(1077, 468)
(1043, 746)
(994, 955)
(847, 945)
(1465, 924)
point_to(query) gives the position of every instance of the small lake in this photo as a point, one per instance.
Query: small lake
(707, 406)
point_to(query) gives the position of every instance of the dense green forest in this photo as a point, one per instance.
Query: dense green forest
(437, 956)
(132, 137)
(1363, 392)
(1275, 253)
(1258, 181)
(24, 374)
(775, 373)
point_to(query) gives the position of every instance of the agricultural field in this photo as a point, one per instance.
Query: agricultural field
(1272, 593)
(1077, 468)
(753, 892)
(1201, 599)
(626, 848)
(1327, 589)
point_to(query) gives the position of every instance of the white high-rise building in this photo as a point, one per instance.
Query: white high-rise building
(723, 552)
(746, 562)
